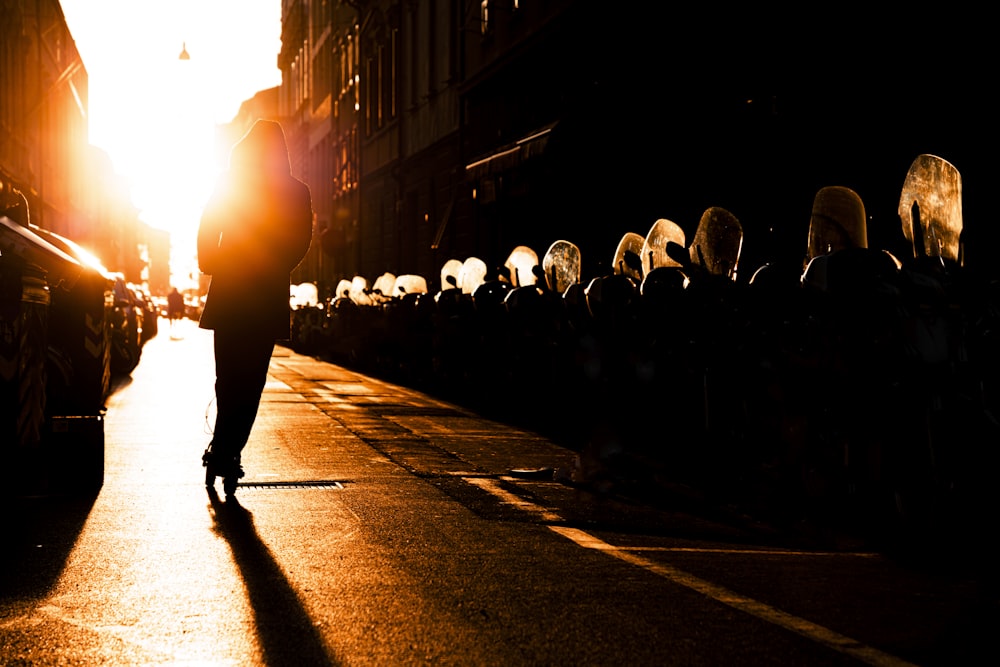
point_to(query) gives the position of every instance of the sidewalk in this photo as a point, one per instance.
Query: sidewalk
(176, 376)
(310, 405)
(449, 444)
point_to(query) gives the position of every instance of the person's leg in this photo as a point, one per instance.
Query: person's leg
(241, 363)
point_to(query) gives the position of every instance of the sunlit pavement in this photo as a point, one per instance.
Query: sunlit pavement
(372, 528)
(146, 576)
(163, 572)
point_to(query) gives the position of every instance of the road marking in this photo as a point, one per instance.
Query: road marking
(492, 486)
(755, 552)
(753, 607)
(763, 611)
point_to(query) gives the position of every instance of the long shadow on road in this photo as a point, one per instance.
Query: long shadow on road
(286, 632)
(38, 535)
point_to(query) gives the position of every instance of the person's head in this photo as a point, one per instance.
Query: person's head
(262, 149)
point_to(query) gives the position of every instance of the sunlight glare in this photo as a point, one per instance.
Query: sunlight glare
(156, 114)
(173, 164)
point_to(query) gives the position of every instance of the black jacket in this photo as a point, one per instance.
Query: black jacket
(255, 229)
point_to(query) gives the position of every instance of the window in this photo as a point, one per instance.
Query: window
(379, 84)
(369, 102)
(394, 44)
(353, 170)
(322, 75)
(354, 69)
(484, 16)
(342, 79)
(351, 59)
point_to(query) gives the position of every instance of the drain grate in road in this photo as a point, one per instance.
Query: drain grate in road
(310, 484)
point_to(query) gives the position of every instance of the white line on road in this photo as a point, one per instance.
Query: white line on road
(493, 487)
(756, 552)
(762, 611)
(765, 612)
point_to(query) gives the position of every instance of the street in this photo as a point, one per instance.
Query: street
(377, 525)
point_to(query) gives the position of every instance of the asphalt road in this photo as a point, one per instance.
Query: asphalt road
(381, 526)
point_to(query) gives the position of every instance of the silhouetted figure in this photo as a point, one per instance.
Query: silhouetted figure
(175, 306)
(255, 229)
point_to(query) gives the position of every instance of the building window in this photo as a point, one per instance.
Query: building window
(413, 59)
(379, 84)
(322, 75)
(370, 95)
(351, 59)
(354, 65)
(303, 61)
(353, 160)
(484, 16)
(342, 70)
(393, 46)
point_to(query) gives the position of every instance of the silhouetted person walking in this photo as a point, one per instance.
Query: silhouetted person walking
(255, 229)
(175, 306)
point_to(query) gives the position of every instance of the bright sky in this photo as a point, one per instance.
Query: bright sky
(155, 114)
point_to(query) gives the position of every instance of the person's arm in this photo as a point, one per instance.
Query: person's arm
(210, 236)
(299, 232)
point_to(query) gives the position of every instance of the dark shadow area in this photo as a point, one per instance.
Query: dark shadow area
(119, 381)
(286, 632)
(38, 536)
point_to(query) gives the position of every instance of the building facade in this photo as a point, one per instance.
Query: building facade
(43, 114)
(439, 129)
(426, 128)
(45, 155)
(432, 130)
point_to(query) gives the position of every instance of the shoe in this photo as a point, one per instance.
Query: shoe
(228, 468)
(231, 477)
(211, 467)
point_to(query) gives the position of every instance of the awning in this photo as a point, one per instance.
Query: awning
(511, 155)
(439, 234)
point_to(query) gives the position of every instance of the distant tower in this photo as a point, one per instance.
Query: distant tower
(184, 52)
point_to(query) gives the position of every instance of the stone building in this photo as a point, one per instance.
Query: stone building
(43, 114)
(44, 146)
(439, 129)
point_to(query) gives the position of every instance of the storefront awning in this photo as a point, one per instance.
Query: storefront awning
(511, 155)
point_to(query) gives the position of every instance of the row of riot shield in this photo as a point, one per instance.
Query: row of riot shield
(846, 387)
(55, 369)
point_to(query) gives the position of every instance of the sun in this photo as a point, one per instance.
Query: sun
(154, 113)
(161, 135)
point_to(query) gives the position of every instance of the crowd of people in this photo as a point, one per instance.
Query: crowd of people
(851, 387)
